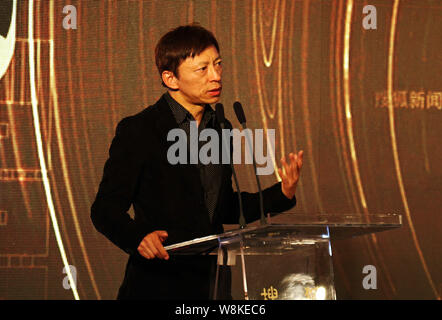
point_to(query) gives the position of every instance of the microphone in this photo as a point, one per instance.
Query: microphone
(219, 109)
(239, 111)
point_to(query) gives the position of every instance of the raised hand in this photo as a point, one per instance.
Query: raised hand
(289, 173)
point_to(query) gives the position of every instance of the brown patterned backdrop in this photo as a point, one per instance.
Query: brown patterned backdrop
(365, 105)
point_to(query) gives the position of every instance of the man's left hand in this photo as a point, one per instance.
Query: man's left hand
(290, 174)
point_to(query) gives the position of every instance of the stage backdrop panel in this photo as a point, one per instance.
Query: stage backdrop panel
(363, 104)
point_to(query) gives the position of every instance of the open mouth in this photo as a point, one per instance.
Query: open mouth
(215, 92)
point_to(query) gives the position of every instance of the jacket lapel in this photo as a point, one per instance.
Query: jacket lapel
(165, 121)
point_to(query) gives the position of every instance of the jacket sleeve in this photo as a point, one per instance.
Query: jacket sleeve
(274, 201)
(116, 192)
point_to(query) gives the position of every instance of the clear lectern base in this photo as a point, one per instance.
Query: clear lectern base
(293, 269)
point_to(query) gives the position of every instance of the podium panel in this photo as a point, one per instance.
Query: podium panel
(275, 269)
(287, 259)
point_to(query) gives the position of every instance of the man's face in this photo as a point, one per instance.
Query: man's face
(199, 78)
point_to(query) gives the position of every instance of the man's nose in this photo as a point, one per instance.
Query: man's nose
(215, 73)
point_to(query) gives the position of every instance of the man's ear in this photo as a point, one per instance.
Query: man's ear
(170, 80)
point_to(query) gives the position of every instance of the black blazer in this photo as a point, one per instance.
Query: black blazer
(164, 197)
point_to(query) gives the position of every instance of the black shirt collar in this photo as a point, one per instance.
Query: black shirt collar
(181, 114)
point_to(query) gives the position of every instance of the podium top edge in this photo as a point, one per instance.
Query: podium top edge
(336, 219)
(287, 221)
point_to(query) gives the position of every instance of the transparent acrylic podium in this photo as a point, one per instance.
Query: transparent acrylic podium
(289, 258)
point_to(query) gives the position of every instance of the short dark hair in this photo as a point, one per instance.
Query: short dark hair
(180, 43)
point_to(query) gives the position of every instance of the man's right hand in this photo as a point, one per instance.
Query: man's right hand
(151, 246)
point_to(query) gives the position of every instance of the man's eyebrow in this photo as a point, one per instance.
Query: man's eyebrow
(205, 62)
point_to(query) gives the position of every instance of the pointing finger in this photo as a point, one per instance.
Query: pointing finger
(300, 159)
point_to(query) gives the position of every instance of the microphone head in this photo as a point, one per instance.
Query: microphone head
(219, 109)
(239, 111)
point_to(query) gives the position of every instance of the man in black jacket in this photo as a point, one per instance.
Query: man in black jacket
(174, 203)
